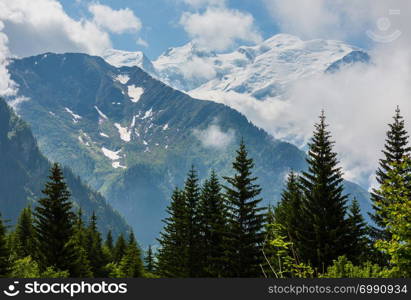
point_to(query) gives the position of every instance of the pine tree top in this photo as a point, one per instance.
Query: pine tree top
(396, 145)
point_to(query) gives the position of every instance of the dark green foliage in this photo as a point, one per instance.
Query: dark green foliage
(192, 199)
(5, 263)
(149, 260)
(25, 235)
(109, 241)
(173, 252)
(359, 244)
(80, 266)
(119, 249)
(325, 229)
(131, 264)
(54, 223)
(289, 211)
(94, 248)
(245, 219)
(212, 213)
(396, 148)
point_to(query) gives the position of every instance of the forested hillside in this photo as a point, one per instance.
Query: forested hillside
(24, 171)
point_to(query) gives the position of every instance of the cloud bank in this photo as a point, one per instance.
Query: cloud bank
(34, 27)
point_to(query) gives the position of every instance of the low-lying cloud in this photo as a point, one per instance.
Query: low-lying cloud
(214, 137)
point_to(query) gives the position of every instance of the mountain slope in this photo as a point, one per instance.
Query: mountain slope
(24, 171)
(133, 138)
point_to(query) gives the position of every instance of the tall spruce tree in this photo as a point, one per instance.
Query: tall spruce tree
(94, 248)
(396, 148)
(109, 241)
(212, 213)
(5, 264)
(325, 227)
(288, 212)
(26, 243)
(192, 199)
(149, 260)
(80, 266)
(119, 248)
(131, 264)
(172, 255)
(358, 242)
(245, 219)
(54, 223)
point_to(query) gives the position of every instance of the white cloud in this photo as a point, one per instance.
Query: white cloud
(198, 68)
(34, 27)
(339, 19)
(116, 21)
(359, 103)
(220, 28)
(6, 84)
(214, 137)
(142, 42)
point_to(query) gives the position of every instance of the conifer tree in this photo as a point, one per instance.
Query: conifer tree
(172, 255)
(358, 241)
(395, 211)
(26, 243)
(54, 223)
(324, 210)
(213, 227)
(192, 199)
(149, 260)
(108, 247)
(94, 248)
(288, 212)
(395, 150)
(80, 266)
(246, 219)
(109, 241)
(119, 248)
(131, 264)
(5, 264)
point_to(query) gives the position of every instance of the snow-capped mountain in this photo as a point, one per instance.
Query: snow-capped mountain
(120, 58)
(262, 71)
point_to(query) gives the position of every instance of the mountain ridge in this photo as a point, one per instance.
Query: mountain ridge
(123, 131)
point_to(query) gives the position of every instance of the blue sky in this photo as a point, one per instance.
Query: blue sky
(91, 26)
(160, 19)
